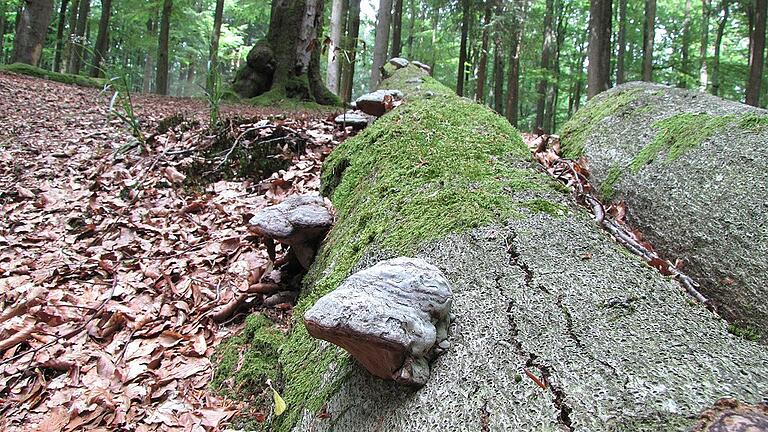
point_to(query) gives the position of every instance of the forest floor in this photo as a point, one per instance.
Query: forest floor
(118, 269)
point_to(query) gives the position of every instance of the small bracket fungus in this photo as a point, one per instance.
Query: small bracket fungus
(300, 222)
(423, 66)
(378, 102)
(730, 415)
(352, 118)
(393, 318)
(398, 62)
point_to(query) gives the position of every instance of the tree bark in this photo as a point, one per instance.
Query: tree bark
(149, 59)
(599, 51)
(756, 54)
(161, 80)
(76, 53)
(435, 17)
(498, 73)
(621, 42)
(546, 53)
(72, 28)
(411, 27)
(685, 48)
(213, 57)
(31, 30)
(649, 31)
(513, 76)
(59, 34)
(335, 49)
(722, 20)
(383, 23)
(483, 63)
(2, 31)
(353, 29)
(465, 11)
(703, 76)
(397, 28)
(102, 40)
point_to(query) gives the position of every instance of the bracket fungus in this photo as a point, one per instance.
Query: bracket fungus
(392, 317)
(730, 415)
(300, 222)
(379, 102)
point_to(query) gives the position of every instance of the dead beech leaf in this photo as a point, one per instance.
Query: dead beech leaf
(173, 175)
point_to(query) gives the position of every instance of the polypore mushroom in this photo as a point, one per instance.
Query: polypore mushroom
(393, 318)
(379, 102)
(423, 66)
(351, 118)
(398, 62)
(299, 222)
(730, 415)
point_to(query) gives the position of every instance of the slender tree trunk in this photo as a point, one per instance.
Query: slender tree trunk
(102, 40)
(685, 47)
(353, 29)
(161, 82)
(757, 54)
(622, 42)
(334, 50)
(465, 12)
(62, 21)
(411, 27)
(578, 82)
(649, 31)
(546, 53)
(435, 17)
(703, 75)
(149, 59)
(722, 20)
(599, 51)
(513, 76)
(76, 55)
(383, 22)
(31, 30)
(213, 56)
(483, 64)
(72, 27)
(498, 74)
(2, 31)
(397, 28)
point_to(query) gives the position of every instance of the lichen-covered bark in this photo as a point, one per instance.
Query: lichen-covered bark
(537, 288)
(691, 168)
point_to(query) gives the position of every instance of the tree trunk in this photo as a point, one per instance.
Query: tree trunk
(161, 81)
(72, 28)
(397, 28)
(149, 59)
(621, 42)
(411, 27)
(213, 57)
(649, 31)
(705, 12)
(335, 53)
(59, 34)
(102, 40)
(287, 62)
(498, 73)
(756, 54)
(685, 60)
(383, 22)
(599, 51)
(2, 31)
(435, 17)
(722, 20)
(353, 29)
(483, 63)
(31, 30)
(76, 54)
(546, 53)
(465, 11)
(513, 76)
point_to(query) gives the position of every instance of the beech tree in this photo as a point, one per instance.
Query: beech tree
(383, 22)
(78, 39)
(31, 29)
(599, 51)
(59, 34)
(102, 41)
(756, 53)
(213, 56)
(465, 16)
(353, 29)
(649, 31)
(161, 81)
(335, 49)
(621, 42)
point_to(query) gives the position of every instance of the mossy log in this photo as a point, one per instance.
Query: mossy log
(692, 169)
(556, 326)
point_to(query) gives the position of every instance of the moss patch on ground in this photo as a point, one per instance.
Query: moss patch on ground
(245, 362)
(574, 133)
(434, 166)
(606, 187)
(25, 69)
(682, 132)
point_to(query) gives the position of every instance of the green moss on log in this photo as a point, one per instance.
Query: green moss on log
(25, 69)
(606, 187)
(575, 132)
(437, 165)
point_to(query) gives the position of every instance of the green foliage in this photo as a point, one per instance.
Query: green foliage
(25, 69)
(214, 93)
(121, 103)
(606, 187)
(747, 333)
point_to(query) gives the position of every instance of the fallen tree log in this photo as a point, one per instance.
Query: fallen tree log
(691, 168)
(555, 327)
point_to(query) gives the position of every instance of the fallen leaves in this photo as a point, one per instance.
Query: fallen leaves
(114, 276)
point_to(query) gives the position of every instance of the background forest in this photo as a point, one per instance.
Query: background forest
(538, 46)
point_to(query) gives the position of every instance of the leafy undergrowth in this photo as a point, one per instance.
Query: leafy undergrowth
(114, 272)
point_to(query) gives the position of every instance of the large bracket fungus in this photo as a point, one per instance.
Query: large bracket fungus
(393, 318)
(300, 222)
